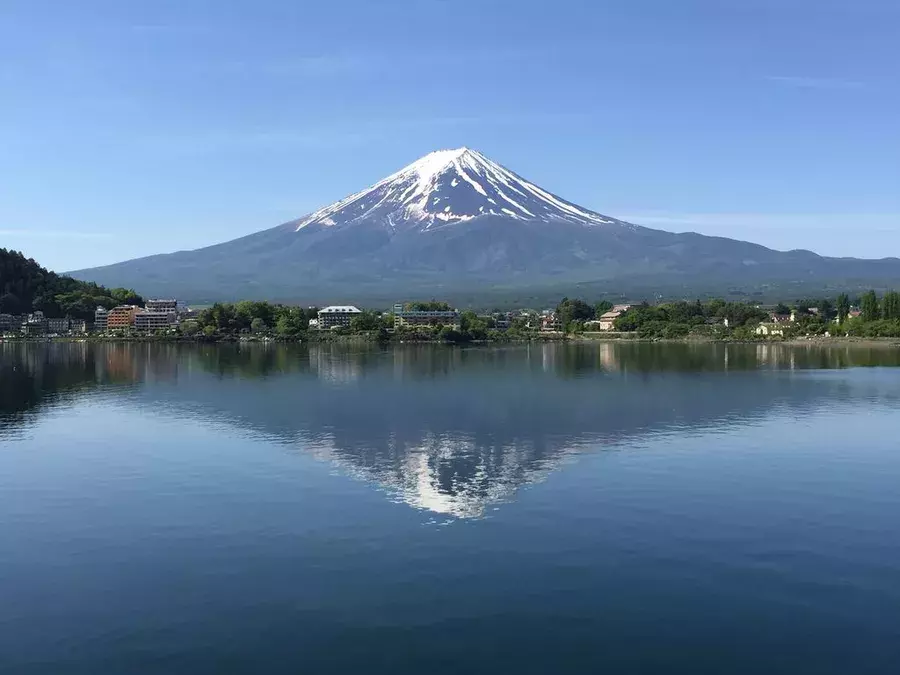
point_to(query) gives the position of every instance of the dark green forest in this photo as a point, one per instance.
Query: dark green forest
(27, 287)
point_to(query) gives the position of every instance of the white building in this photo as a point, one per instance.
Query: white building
(607, 321)
(337, 315)
(770, 329)
(101, 316)
(161, 306)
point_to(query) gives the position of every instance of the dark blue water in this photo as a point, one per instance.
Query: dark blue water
(540, 509)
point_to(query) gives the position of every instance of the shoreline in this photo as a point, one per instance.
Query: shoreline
(814, 341)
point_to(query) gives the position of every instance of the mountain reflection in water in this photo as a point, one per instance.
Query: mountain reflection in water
(449, 430)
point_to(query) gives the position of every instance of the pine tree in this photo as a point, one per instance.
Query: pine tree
(890, 305)
(843, 307)
(869, 308)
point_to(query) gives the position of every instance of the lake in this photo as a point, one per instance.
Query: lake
(620, 508)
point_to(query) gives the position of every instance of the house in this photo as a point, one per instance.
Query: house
(770, 329)
(607, 320)
(502, 321)
(313, 324)
(337, 315)
(406, 318)
(782, 318)
(550, 322)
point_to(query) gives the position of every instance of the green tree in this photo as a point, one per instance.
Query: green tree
(890, 305)
(843, 307)
(258, 325)
(291, 322)
(431, 306)
(602, 307)
(126, 296)
(473, 326)
(782, 308)
(365, 321)
(826, 310)
(573, 310)
(869, 307)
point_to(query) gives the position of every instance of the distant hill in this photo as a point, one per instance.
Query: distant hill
(456, 224)
(26, 287)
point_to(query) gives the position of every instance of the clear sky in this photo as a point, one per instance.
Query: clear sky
(131, 128)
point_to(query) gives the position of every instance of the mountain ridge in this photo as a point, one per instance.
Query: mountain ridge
(456, 221)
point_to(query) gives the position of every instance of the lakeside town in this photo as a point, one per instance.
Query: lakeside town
(439, 321)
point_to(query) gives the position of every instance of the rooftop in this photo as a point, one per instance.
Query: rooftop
(340, 309)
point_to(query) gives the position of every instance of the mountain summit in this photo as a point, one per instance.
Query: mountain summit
(454, 222)
(451, 186)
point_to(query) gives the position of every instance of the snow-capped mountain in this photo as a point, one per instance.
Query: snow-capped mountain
(455, 223)
(451, 186)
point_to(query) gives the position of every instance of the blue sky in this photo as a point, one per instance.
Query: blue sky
(131, 128)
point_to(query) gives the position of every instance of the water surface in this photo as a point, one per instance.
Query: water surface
(529, 509)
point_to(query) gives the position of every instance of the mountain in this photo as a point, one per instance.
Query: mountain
(454, 222)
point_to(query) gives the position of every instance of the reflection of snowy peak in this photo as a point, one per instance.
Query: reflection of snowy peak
(450, 476)
(451, 186)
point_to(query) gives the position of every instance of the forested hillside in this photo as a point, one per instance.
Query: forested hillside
(25, 287)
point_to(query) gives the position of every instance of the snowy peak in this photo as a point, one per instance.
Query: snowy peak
(451, 186)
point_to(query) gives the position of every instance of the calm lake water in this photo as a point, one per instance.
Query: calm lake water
(618, 508)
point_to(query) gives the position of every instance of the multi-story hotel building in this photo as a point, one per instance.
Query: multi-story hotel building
(161, 306)
(337, 315)
(428, 317)
(154, 320)
(121, 317)
(100, 319)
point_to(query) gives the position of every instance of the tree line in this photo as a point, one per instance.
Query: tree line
(26, 287)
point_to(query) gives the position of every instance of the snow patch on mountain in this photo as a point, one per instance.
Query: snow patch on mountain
(452, 186)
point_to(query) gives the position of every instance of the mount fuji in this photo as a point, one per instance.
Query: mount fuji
(454, 222)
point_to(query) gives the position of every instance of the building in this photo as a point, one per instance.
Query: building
(783, 318)
(100, 319)
(58, 326)
(607, 320)
(11, 323)
(550, 322)
(337, 315)
(121, 317)
(35, 324)
(166, 306)
(770, 329)
(313, 324)
(155, 320)
(502, 321)
(410, 318)
(78, 326)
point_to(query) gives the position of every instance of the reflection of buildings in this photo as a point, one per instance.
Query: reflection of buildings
(325, 362)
